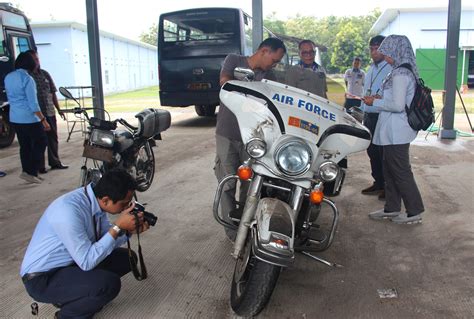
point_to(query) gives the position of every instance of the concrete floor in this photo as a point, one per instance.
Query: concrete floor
(188, 258)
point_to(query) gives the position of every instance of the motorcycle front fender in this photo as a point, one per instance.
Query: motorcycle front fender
(273, 233)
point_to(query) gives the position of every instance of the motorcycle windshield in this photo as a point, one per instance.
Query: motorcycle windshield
(275, 109)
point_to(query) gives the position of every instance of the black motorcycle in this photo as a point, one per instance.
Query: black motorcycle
(106, 147)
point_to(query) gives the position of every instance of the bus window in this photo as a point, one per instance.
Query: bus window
(205, 27)
(14, 20)
(248, 48)
(2, 43)
(20, 44)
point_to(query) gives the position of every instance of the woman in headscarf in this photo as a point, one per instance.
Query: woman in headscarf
(395, 134)
(26, 117)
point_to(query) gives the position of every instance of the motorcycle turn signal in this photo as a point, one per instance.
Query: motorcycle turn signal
(245, 173)
(316, 196)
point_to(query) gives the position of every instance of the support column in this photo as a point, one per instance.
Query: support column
(450, 79)
(94, 57)
(257, 23)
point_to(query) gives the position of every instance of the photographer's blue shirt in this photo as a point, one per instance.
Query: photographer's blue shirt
(66, 234)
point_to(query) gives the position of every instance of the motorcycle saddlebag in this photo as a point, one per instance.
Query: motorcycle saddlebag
(153, 122)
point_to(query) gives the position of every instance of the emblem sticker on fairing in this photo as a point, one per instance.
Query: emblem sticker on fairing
(305, 125)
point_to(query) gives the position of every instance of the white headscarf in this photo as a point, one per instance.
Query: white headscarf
(399, 48)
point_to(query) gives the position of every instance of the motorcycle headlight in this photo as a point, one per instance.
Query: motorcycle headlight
(102, 138)
(293, 158)
(256, 148)
(328, 171)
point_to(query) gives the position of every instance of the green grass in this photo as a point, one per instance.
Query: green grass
(336, 89)
(135, 101)
(132, 101)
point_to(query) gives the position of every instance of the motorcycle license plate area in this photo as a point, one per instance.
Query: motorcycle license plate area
(98, 153)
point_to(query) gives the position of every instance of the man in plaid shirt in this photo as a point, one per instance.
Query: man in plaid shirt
(46, 92)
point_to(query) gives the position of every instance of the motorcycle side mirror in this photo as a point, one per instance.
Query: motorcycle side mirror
(243, 74)
(68, 95)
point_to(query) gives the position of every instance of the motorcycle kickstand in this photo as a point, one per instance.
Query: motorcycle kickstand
(323, 261)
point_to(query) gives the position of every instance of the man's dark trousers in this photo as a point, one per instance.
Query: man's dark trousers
(53, 144)
(79, 293)
(375, 152)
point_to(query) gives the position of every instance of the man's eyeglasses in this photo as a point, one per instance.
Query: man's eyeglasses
(312, 52)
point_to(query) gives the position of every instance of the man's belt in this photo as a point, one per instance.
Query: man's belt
(30, 276)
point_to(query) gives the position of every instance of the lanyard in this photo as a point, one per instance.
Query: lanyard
(372, 74)
(94, 221)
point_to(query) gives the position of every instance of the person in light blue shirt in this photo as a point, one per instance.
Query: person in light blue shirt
(74, 258)
(395, 134)
(26, 117)
(378, 70)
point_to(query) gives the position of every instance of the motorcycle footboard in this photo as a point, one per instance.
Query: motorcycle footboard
(272, 233)
(217, 201)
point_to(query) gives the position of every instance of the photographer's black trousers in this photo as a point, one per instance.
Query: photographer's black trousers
(81, 294)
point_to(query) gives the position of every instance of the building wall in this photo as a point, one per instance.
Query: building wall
(427, 30)
(126, 66)
(55, 53)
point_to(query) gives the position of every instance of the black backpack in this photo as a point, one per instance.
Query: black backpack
(421, 110)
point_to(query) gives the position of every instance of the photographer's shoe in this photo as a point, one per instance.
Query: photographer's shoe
(382, 214)
(403, 218)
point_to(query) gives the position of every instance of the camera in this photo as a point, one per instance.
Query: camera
(147, 216)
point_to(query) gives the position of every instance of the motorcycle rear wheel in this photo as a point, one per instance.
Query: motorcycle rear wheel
(145, 168)
(252, 284)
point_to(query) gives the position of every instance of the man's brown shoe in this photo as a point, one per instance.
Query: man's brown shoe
(382, 194)
(372, 190)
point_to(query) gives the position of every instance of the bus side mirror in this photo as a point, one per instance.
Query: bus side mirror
(243, 74)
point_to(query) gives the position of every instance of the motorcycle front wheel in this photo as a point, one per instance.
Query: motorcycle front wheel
(145, 167)
(252, 284)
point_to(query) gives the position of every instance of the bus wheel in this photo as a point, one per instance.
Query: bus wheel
(206, 110)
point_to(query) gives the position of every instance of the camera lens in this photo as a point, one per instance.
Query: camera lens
(150, 218)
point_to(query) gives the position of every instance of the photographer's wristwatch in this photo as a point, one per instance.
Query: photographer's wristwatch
(117, 230)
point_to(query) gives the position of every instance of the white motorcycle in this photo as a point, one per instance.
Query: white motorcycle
(295, 142)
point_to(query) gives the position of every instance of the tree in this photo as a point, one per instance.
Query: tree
(347, 45)
(150, 37)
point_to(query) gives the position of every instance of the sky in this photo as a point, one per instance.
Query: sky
(122, 18)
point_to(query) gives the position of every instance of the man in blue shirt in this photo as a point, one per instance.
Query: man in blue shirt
(73, 259)
(377, 72)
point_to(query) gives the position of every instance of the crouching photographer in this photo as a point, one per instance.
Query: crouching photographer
(74, 259)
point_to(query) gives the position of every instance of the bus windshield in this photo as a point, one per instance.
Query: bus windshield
(199, 26)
